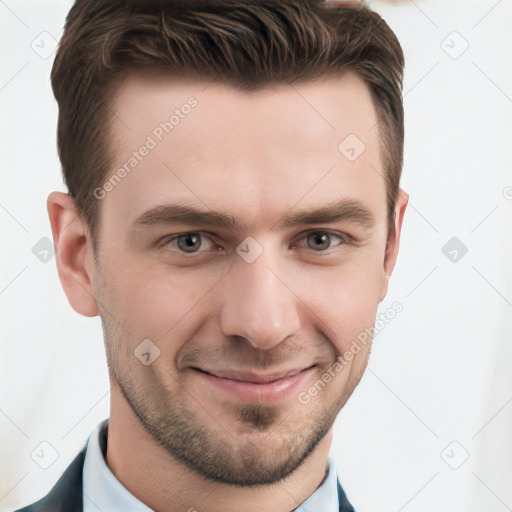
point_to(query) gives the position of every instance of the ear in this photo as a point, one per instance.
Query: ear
(393, 241)
(74, 253)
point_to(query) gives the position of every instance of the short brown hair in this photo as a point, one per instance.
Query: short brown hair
(247, 44)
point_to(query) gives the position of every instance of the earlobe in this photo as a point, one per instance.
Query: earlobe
(393, 241)
(74, 257)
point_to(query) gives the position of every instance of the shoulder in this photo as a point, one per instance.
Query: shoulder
(66, 494)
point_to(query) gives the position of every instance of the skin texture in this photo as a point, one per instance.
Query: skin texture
(176, 441)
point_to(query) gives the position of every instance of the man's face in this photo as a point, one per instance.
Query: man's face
(244, 326)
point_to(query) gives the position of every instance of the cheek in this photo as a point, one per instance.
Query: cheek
(152, 299)
(345, 302)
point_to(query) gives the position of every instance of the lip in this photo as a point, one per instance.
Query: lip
(250, 387)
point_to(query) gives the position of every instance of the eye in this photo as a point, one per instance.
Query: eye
(198, 243)
(320, 241)
(189, 243)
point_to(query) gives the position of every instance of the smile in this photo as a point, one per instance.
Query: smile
(250, 386)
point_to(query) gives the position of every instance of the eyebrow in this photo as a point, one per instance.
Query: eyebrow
(341, 210)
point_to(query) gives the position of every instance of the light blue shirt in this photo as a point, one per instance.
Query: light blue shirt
(103, 491)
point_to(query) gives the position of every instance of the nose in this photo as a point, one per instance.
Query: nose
(258, 305)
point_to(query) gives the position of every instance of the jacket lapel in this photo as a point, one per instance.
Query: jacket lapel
(345, 505)
(66, 494)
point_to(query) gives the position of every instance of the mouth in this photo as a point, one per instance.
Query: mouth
(250, 386)
(252, 378)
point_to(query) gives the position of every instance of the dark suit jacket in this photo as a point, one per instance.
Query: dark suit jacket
(66, 495)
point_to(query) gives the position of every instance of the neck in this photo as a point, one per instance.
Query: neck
(164, 483)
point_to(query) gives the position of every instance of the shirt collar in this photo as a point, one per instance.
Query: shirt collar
(103, 491)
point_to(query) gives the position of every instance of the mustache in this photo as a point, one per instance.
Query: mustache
(240, 354)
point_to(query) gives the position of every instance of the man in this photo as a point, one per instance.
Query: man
(233, 217)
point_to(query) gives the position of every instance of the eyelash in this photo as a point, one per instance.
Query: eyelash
(344, 240)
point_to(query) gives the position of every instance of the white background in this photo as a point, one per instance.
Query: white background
(439, 373)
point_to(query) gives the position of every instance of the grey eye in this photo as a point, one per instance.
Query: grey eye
(190, 242)
(319, 241)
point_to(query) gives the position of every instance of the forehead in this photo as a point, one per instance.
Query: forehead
(205, 142)
(330, 104)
